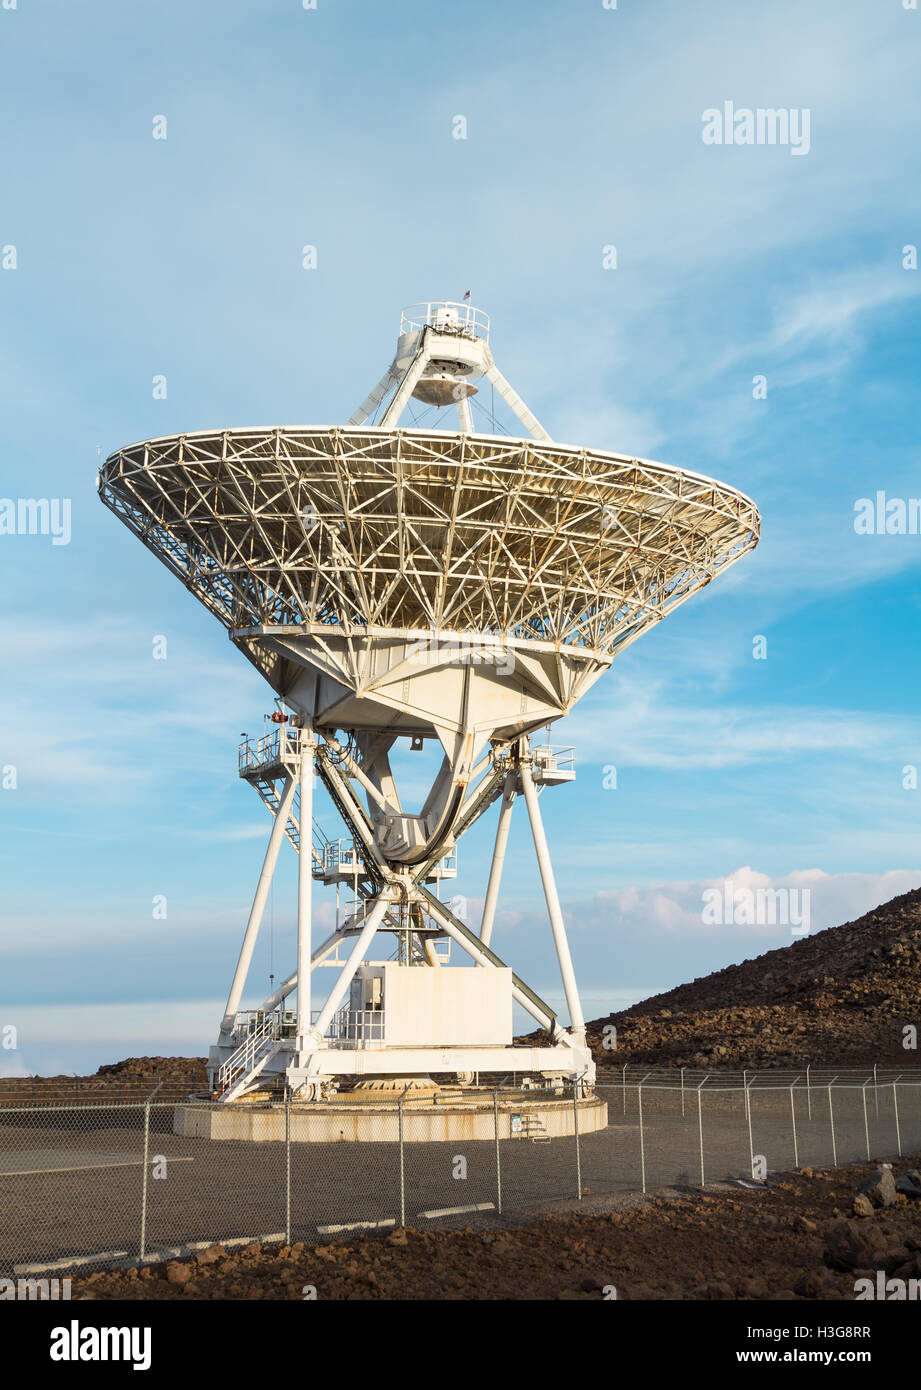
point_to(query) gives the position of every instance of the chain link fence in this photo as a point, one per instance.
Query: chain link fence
(90, 1185)
(96, 1090)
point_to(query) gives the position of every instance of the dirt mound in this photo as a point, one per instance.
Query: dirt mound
(131, 1080)
(841, 995)
(153, 1067)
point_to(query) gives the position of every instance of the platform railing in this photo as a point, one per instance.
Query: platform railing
(342, 856)
(281, 743)
(356, 1027)
(552, 760)
(470, 322)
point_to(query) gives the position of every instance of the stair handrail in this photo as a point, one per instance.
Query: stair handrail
(243, 1058)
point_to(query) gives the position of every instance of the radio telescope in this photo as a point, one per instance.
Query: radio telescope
(420, 584)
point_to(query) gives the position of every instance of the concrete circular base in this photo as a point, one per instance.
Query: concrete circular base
(361, 1119)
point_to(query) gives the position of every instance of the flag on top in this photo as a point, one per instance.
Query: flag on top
(467, 296)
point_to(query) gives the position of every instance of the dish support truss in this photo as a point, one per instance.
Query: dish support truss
(313, 1051)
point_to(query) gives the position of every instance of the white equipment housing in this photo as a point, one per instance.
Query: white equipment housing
(397, 1005)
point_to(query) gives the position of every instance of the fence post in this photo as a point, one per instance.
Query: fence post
(402, 1166)
(287, 1168)
(793, 1118)
(808, 1090)
(682, 1093)
(831, 1116)
(898, 1132)
(751, 1145)
(875, 1090)
(700, 1126)
(143, 1246)
(624, 1087)
(575, 1119)
(495, 1111)
(639, 1094)
(866, 1123)
(143, 1249)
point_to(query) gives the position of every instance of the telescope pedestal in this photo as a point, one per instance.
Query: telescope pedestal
(410, 1017)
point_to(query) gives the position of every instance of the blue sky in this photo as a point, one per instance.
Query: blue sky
(139, 257)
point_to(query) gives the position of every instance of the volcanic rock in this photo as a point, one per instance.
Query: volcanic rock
(880, 1187)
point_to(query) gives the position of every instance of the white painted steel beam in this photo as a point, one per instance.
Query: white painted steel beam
(290, 983)
(512, 399)
(258, 907)
(403, 392)
(498, 859)
(374, 398)
(305, 884)
(573, 1003)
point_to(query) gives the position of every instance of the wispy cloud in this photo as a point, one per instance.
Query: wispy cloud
(824, 321)
(654, 731)
(124, 714)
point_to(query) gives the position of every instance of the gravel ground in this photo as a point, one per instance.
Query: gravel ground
(793, 1239)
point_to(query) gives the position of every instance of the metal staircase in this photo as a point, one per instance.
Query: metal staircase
(244, 1065)
(329, 775)
(271, 793)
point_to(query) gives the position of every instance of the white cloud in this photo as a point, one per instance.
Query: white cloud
(632, 943)
(677, 908)
(651, 730)
(91, 708)
(824, 317)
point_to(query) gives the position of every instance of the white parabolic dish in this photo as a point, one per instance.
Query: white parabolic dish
(343, 560)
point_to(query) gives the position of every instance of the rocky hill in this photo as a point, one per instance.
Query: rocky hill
(159, 1067)
(844, 995)
(134, 1079)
